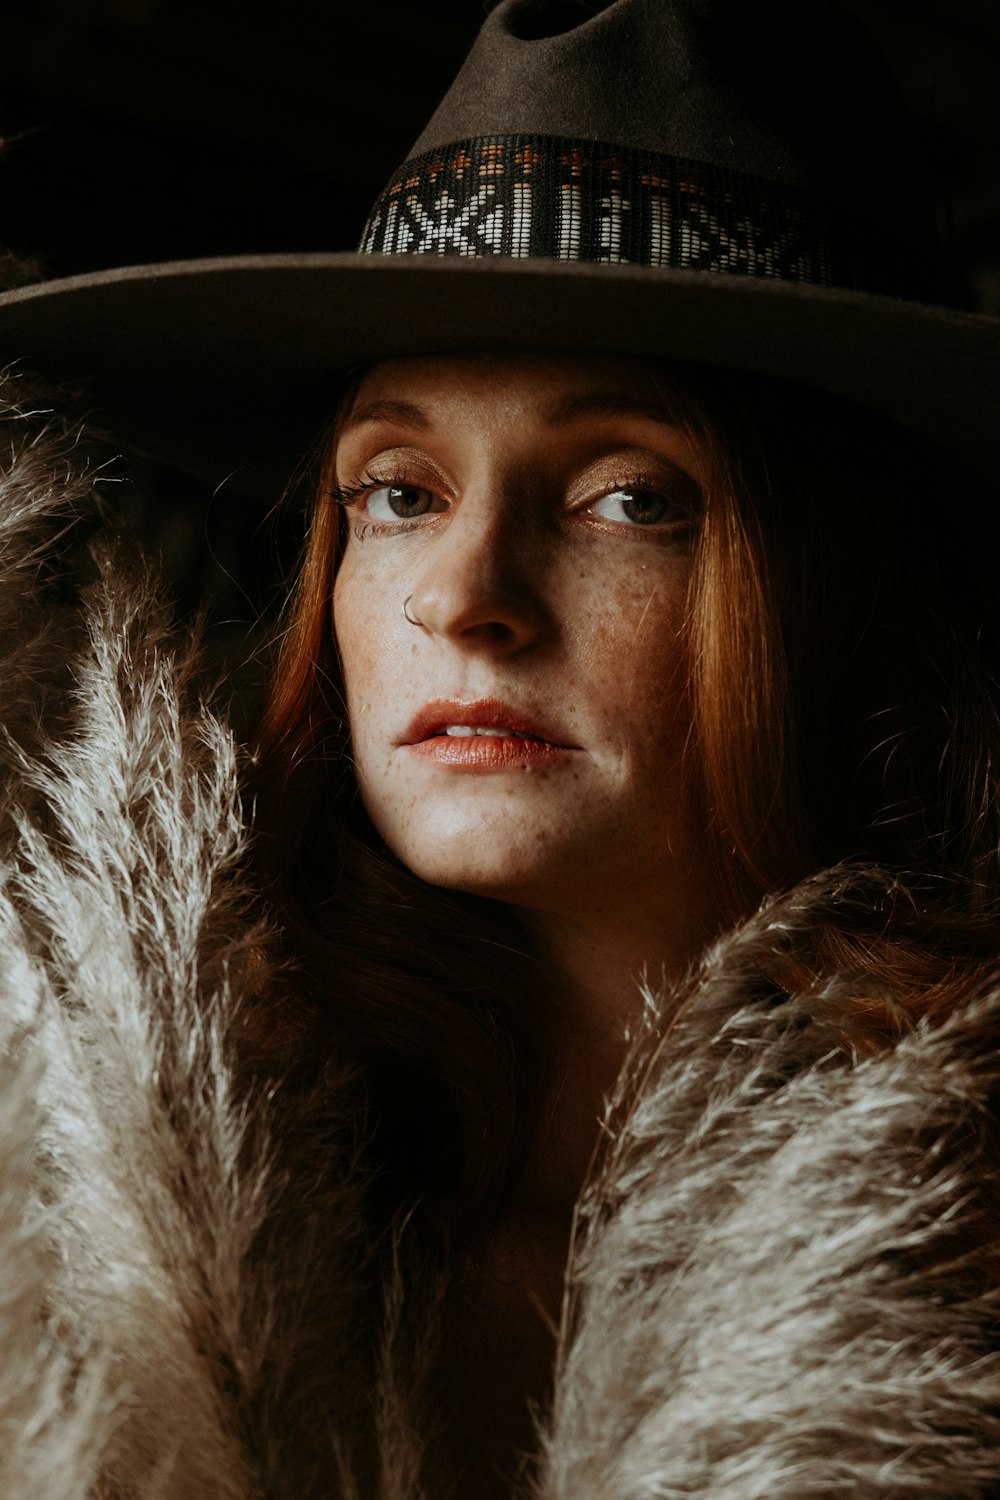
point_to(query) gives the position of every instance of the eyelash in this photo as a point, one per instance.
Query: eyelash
(346, 496)
(644, 484)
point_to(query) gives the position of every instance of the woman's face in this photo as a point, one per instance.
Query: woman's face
(525, 738)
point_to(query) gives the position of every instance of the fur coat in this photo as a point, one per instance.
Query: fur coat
(756, 1305)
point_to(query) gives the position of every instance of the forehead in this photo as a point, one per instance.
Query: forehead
(504, 385)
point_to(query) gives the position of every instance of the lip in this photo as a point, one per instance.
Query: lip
(426, 736)
(480, 713)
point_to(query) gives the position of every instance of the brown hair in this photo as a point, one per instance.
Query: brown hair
(844, 657)
(844, 708)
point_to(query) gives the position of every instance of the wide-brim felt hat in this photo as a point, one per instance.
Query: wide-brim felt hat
(704, 181)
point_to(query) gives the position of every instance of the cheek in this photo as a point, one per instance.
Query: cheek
(379, 661)
(361, 629)
(637, 654)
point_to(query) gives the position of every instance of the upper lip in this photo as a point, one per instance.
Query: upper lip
(480, 713)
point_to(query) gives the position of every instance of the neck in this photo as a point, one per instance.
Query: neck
(510, 1296)
(590, 982)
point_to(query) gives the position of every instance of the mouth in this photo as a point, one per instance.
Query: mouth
(484, 718)
(484, 734)
(466, 731)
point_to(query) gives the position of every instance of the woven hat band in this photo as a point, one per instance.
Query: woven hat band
(579, 200)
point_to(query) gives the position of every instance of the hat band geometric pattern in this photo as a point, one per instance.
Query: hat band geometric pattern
(569, 199)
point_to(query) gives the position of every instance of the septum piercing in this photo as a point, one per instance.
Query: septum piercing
(408, 617)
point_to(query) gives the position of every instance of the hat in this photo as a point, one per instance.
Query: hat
(698, 180)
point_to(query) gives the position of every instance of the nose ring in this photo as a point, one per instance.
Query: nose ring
(408, 617)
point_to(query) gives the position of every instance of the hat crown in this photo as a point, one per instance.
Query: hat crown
(785, 91)
(764, 140)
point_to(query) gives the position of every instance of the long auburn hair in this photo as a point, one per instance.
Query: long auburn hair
(843, 677)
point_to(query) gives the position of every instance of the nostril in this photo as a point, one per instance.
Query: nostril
(486, 628)
(532, 20)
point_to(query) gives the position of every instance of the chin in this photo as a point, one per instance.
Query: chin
(500, 880)
(506, 852)
(481, 864)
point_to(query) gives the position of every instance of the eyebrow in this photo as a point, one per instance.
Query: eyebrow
(405, 412)
(574, 408)
(607, 404)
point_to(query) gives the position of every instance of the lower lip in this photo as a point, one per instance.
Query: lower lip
(489, 752)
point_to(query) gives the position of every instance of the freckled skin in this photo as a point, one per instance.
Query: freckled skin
(528, 594)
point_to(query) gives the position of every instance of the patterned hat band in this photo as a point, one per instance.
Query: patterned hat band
(578, 200)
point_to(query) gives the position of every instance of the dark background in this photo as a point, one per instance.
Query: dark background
(144, 130)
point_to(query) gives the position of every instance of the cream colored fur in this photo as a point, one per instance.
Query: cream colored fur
(185, 1302)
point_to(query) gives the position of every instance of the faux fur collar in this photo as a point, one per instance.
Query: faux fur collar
(756, 1307)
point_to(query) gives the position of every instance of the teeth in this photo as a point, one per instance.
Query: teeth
(465, 731)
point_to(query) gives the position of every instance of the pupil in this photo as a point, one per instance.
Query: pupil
(408, 501)
(639, 505)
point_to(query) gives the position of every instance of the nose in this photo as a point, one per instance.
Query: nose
(483, 586)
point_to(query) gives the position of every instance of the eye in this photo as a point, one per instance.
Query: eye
(398, 502)
(639, 507)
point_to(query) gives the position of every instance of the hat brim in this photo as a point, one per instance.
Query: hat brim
(225, 367)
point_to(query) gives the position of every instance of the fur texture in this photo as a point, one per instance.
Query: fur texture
(767, 1238)
(756, 1305)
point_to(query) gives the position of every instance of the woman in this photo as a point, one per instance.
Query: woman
(583, 566)
(604, 636)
